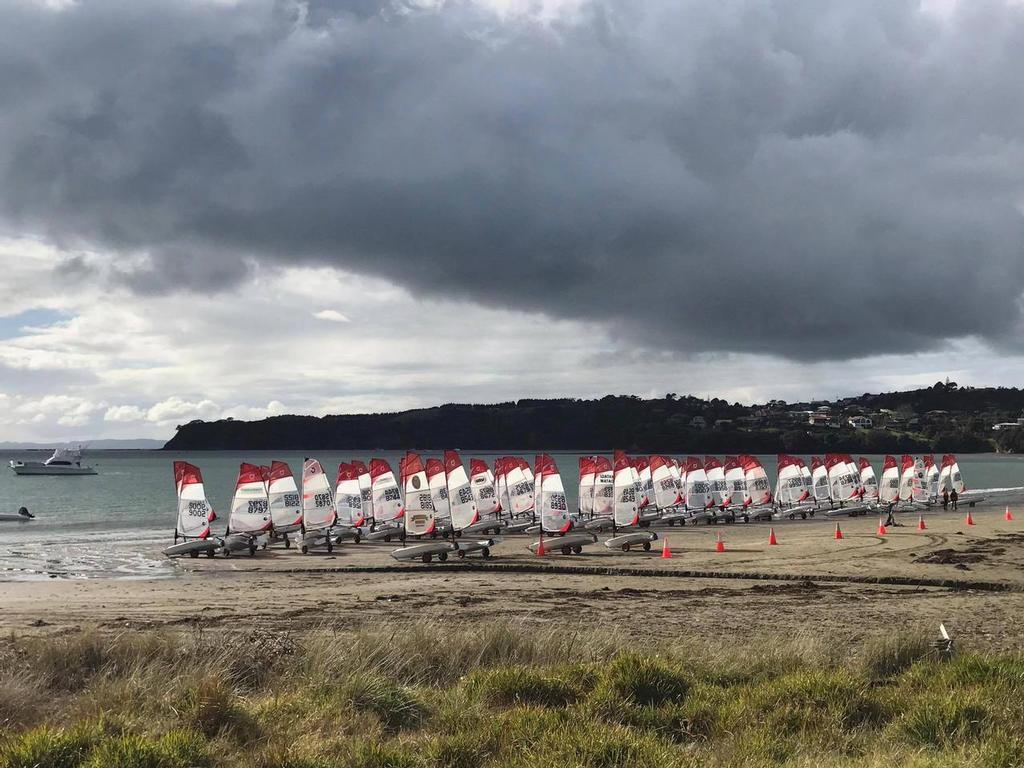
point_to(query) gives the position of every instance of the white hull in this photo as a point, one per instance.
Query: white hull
(39, 468)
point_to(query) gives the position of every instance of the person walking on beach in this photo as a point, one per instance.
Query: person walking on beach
(945, 498)
(953, 497)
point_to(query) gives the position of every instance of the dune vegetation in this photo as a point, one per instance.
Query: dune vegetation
(436, 696)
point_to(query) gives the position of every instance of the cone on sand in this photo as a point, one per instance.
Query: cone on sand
(969, 520)
(839, 532)
(772, 541)
(1008, 516)
(540, 547)
(719, 544)
(881, 527)
(920, 523)
(666, 553)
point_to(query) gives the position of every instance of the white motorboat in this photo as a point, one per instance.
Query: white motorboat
(65, 461)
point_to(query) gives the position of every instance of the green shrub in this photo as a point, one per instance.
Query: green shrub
(47, 747)
(211, 707)
(395, 706)
(643, 681)
(942, 722)
(506, 686)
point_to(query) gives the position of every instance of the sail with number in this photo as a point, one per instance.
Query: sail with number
(889, 485)
(437, 482)
(716, 480)
(643, 469)
(586, 488)
(348, 498)
(736, 482)
(868, 481)
(481, 482)
(805, 475)
(759, 490)
(698, 490)
(462, 505)
(919, 485)
(250, 508)
(387, 499)
(950, 476)
(283, 498)
(604, 493)
(666, 492)
(789, 488)
(931, 476)
(317, 500)
(501, 486)
(907, 478)
(554, 510)
(195, 513)
(624, 509)
(843, 483)
(365, 489)
(520, 489)
(419, 506)
(819, 478)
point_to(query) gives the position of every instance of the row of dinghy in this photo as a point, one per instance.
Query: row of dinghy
(435, 508)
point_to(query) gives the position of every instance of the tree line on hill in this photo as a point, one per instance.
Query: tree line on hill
(959, 419)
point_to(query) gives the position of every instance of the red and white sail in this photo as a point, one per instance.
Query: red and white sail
(387, 499)
(931, 476)
(698, 490)
(419, 505)
(195, 513)
(554, 507)
(283, 498)
(736, 482)
(460, 495)
(645, 484)
(500, 484)
(250, 507)
(950, 476)
(716, 480)
(437, 481)
(868, 481)
(520, 488)
(624, 511)
(907, 478)
(819, 480)
(843, 482)
(604, 493)
(789, 488)
(586, 488)
(919, 491)
(317, 500)
(805, 475)
(759, 490)
(348, 497)
(666, 491)
(889, 483)
(481, 482)
(365, 489)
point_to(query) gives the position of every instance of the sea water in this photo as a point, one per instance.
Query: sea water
(114, 524)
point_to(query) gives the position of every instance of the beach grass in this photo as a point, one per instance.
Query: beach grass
(506, 694)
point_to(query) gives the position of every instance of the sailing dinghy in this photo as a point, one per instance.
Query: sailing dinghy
(889, 485)
(716, 481)
(554, 514)
(249, 520)
(318, 513)
(465, 517)
(348, 504)
(388, 508)
(626, 508)
(868, 482)
(285, 502)
(666, 489)
(585, 496)
(758, 489)
(419, 515)
(791, 494)
(195, 513)
(481, 483)
(437, 482)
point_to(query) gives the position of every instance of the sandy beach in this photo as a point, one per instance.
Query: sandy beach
(969, 576)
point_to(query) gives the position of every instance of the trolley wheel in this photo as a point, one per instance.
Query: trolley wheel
(458, 534)
(803, 515)
(304, 549)
(330, 545)
(625, 547)
(578, 549)
(647, 546)
(460, 554)
(443, 557)
(426, 558)
(252, 550)
(287, 543)
(566, 550)
(210, 553)
(194, 553)
(227, 552)
(792, 516)
(387, 539)
(485, 553)
(672, 522)
(812, 513)
(357, 538)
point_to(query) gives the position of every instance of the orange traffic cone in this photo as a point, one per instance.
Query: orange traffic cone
(771, 537)
(666, 553)
(881, 527)
(920, 523)
(1008, 517)
(719, 544)
(540, 548)
(839, 532)
(969, 520)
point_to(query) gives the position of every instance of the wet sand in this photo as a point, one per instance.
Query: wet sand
(970, 577)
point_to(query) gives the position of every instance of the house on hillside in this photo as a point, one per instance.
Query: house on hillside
(860, 422)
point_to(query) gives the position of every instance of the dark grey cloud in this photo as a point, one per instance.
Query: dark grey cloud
(816, 179)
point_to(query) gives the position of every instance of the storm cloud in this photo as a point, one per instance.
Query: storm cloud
(812, 180)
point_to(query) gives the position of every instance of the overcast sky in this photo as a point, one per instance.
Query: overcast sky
(218, 208)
